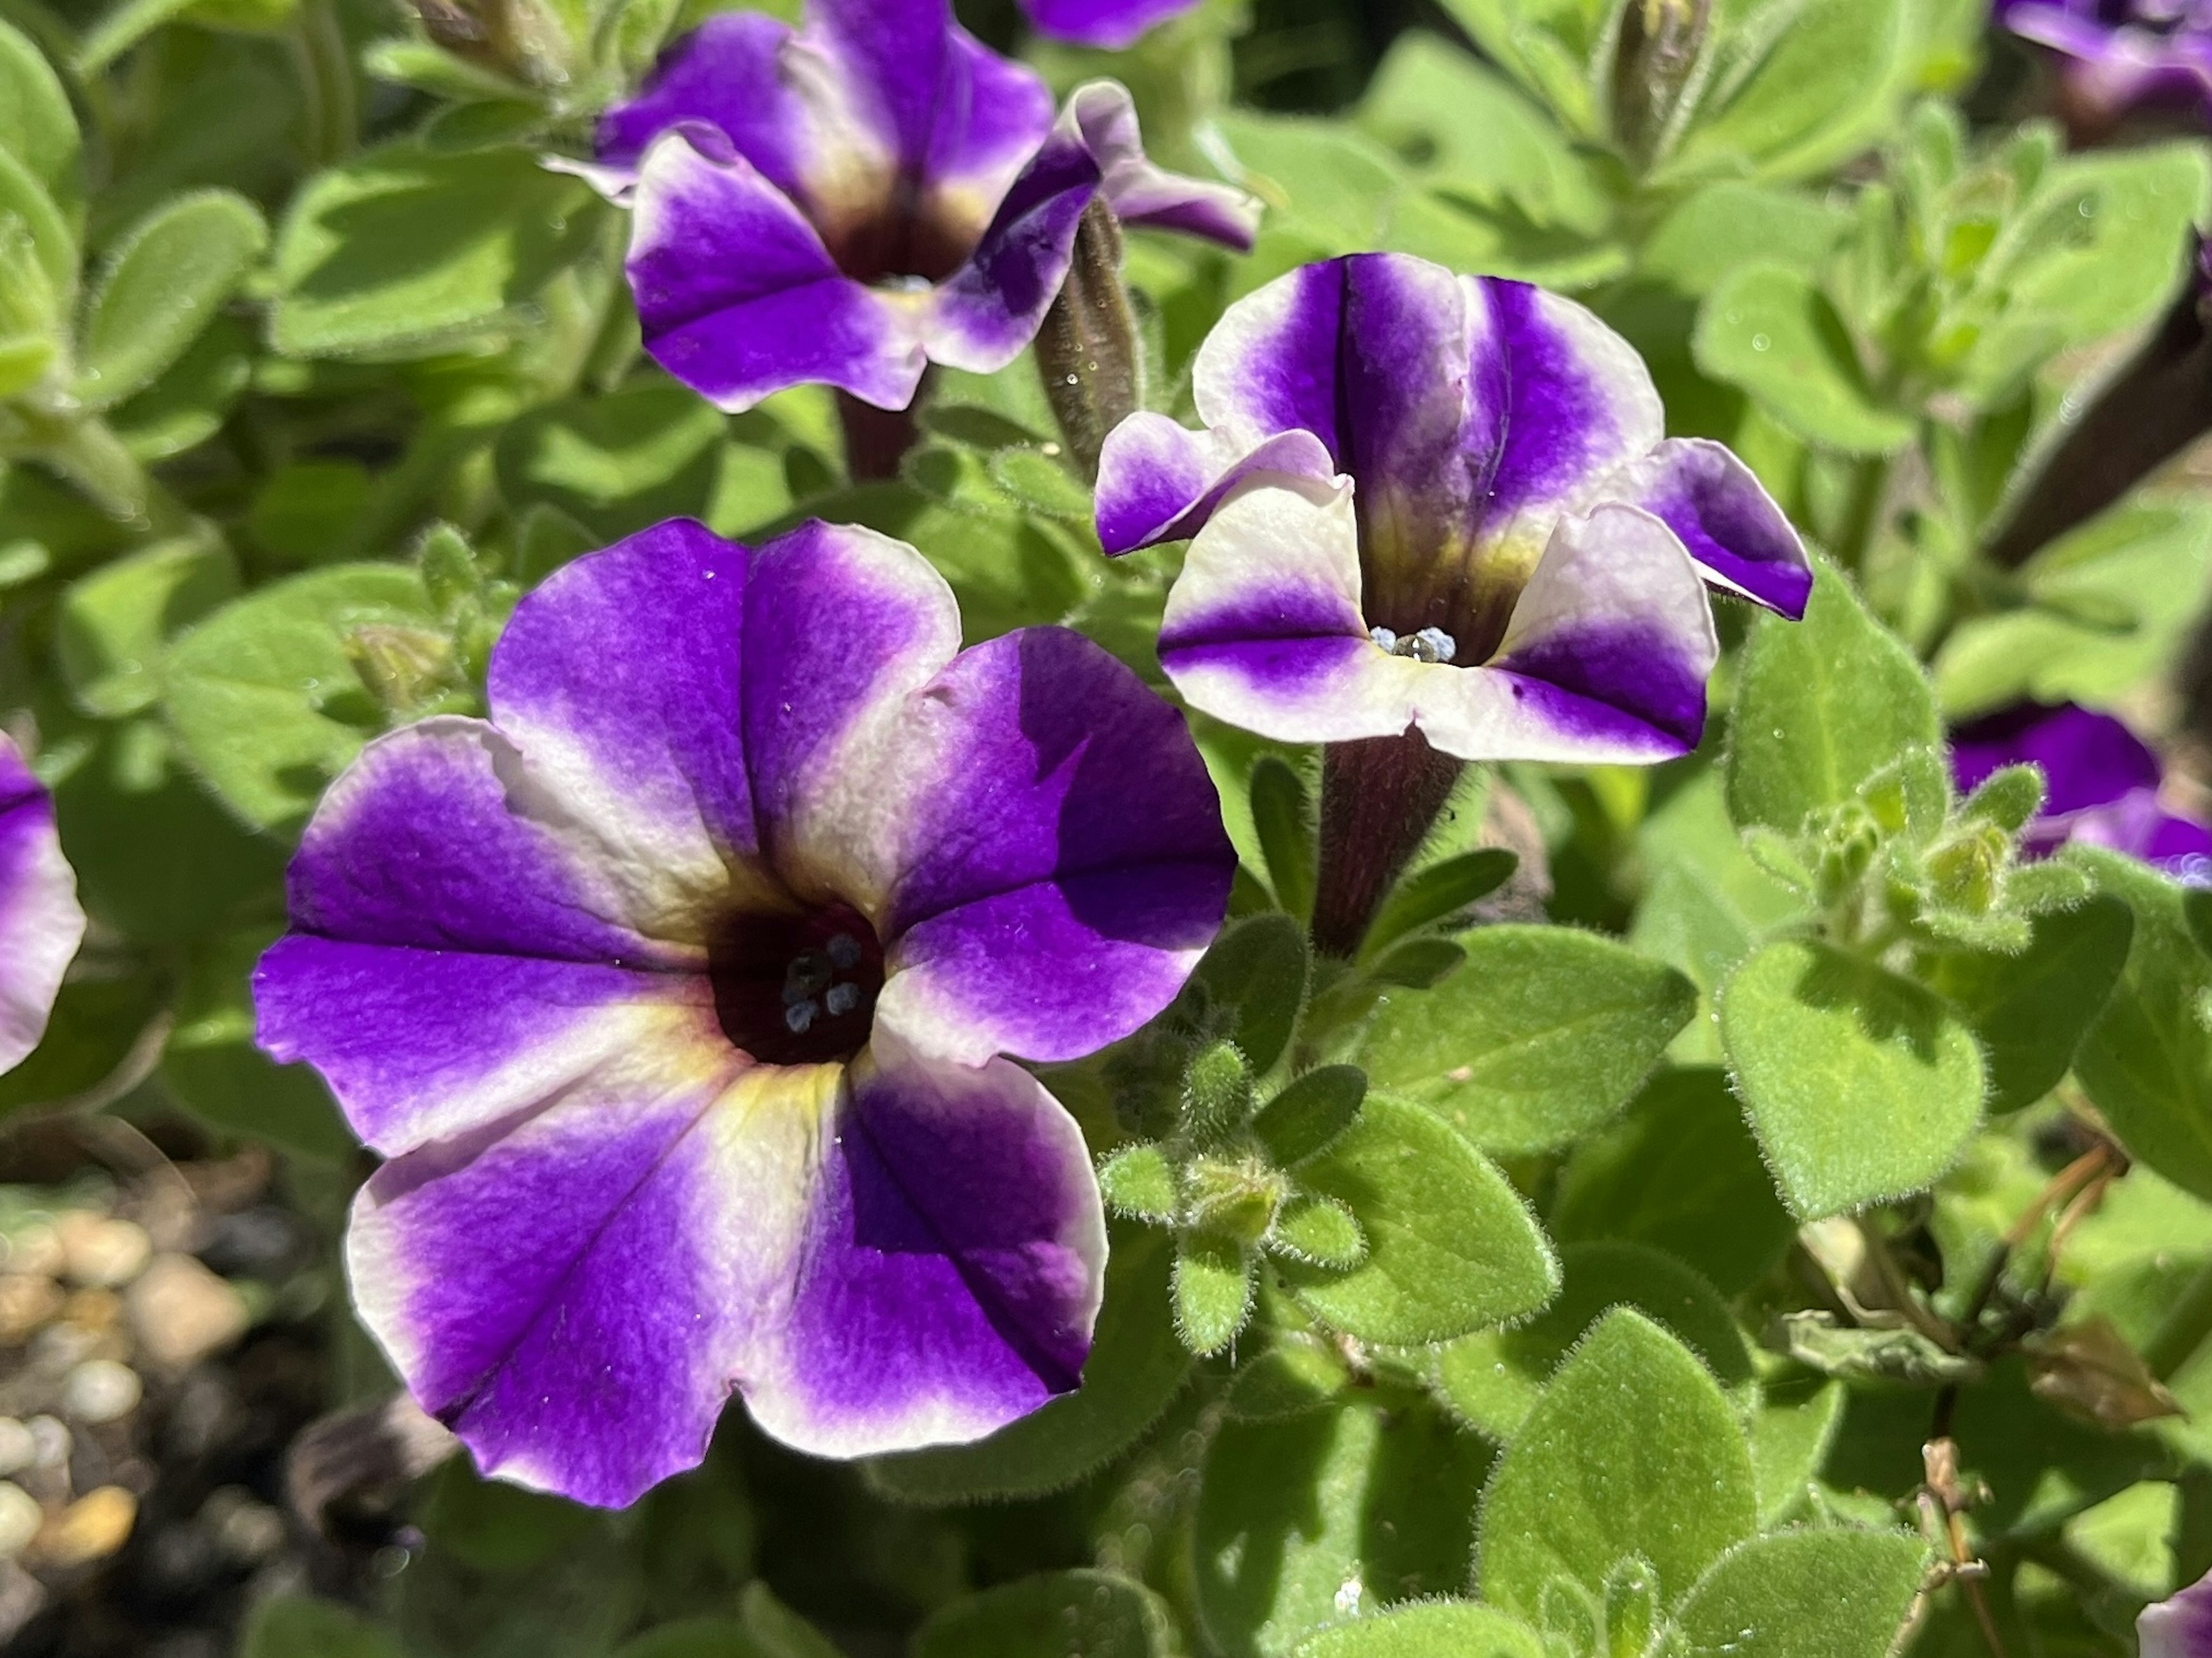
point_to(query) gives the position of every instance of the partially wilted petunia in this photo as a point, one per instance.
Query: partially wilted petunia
(1442, 504)
(41, 923)
(676, 994)
(876, 191)
(2100, 783)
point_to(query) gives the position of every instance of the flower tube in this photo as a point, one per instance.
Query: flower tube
(676, 994)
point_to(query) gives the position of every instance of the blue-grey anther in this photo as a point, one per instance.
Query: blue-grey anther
(799, 1015)
(844, 951)
(1430, 645)
(1384, 638)
(841, 1000)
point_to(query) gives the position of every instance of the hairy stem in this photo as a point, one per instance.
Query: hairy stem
(876, 439)
(1379, 797)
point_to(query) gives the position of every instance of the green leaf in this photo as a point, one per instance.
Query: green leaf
(212, 1065)
(53, 245)
(263, 697)
(2130, 215)
(1282, 817)
(428, 67)
(400, 252)
(289, 1625)
(2146, 1062)
(1257, 970)
(616, 462)
(1633, 1450)
(1326, 1517)
(1861, 1085)
(160, 285)
(1212, 1293)
(2030, 1010)
(37, 125)
(1309, 1114)
(1450, 1247)
(1789, 1445)
(1139, 1182)
(1545, 1033)
(1680, 1172)
(1325, 182)
(307, 512)
(1834, 1593)
(187, 405)
(1428, 1629)
(694, 1637)
(1492, 1378)
(1547, 45)
(1734, 223)
(1826, 86)
(112, 623)
(1096, 1614)
(1465, 130)
(1135, 1368)
(1437, 893)
(1768, 331)
(1822, 705)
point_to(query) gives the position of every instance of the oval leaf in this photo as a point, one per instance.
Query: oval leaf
(160, 287)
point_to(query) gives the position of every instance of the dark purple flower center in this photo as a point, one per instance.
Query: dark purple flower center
(797, 989)
(906, 236)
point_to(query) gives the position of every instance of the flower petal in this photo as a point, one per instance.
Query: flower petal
(842, 625)
(1161, 481)
(40, 922)
(991, 115)
(1607, 653)
(737, 297)
(1063, 860)
(2137, 825)
(1735, 532)
(953, 1264)
(731, 73)
(1112, 24)
(2180, 1626)
(618, 677)
(1141, 193)
(2087, 758)
(576, 1292)
(1263, 627)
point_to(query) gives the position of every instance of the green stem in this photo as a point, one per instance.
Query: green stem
(331, 108)
(2183, 1332)
(91, 457)
(1863, 512)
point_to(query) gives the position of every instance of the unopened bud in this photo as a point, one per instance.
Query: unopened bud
(1655, 67)
(1967, 869)
(1232, 1199)
(409, 671)
(1089, 351)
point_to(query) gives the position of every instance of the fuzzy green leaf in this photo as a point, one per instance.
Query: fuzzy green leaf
(160, 286)
(1834, 1593)
(1428, 1629)
(1311, 1113)
(1257, 970)
(1769, 331)
(1096, 1614)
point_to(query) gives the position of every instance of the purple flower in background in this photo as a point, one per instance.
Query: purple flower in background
(1430, 501)
(2122, 54)
(2100, 781)
(675, 994)
(40, 923)
(2180, 1627)
(1110, 23)
(874, 192)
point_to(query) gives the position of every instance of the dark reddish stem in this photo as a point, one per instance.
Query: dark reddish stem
(1378, 798)
(876, 439)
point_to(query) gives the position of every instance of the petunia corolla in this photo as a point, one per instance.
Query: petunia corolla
(877, 190)
(676, 994)
(1442, 503)
(2179, 1626)
(1110, 23)
(40, 922)
(2117, 56)
(2101, 785)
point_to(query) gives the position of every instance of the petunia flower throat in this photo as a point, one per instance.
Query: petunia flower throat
(676, 993)
(875, 191)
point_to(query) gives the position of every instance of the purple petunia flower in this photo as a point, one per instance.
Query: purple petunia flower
(41, 923)
(1110, 23)
(2100, 784)
(2179, 1626)
(2123, 54)
(876, 191)
(1439, 503)
(674, 993)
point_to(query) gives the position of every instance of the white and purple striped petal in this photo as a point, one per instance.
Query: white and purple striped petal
(41, 923)
(1735, 534)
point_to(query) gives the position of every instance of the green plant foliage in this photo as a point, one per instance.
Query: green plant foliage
(1085, 1611)
(1431, 1629)
(1831, 1593)
(159, 286)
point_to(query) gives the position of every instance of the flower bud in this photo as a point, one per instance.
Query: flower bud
(1217, 1091)
(1088, 349)
(1656, 63)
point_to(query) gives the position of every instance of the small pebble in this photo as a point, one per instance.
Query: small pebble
(20, 1516)
(36, 1249)
(18, 1448)
(181, 1312)
(50, 1442)
(102, 1251)
(101, 1390)
(91, 1528)
(26, 1303)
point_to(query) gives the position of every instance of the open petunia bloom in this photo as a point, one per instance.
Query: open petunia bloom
(873, 192)
(2179, 1626)
(41, 923)
(2122, 55)
(677, 992)
(1440, 503)
(1110, 23)
(2100, 781)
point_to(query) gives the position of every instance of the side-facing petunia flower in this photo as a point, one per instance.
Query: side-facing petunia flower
(1109, 23)
(2100, 781)
(676, 992)
(1430, 503)
(41, 923)
(849, 201)
(2179, 1626)
(2117, 56)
